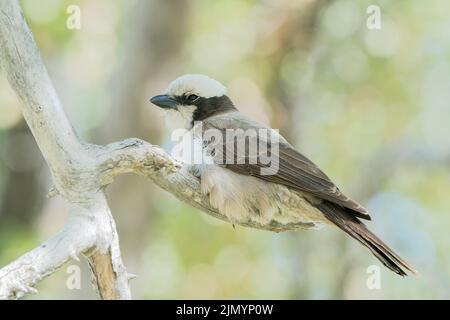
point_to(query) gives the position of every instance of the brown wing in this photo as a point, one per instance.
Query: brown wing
(298, 173)
(294, 171)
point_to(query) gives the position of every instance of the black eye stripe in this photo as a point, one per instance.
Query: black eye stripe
(208, 107)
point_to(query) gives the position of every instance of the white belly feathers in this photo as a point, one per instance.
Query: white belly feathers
(244, 198)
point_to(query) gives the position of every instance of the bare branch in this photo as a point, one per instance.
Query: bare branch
(143, 158)
(73, 166)
(18, 277)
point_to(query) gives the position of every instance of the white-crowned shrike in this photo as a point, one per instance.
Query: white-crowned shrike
(244, 186)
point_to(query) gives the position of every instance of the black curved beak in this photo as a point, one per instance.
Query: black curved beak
(164, 101)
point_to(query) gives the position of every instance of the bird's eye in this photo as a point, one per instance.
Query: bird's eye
(192, 98)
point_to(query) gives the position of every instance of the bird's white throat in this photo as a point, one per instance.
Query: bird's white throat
(179, 119)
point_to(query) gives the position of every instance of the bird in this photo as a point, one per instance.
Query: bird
(294, 191)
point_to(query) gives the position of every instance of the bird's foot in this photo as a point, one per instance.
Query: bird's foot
(196, 170)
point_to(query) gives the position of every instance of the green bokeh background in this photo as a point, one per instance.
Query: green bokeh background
(370, 107)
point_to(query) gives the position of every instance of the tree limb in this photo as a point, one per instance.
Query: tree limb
(80, 173)
(73, 166)
(18, 277)
(140, 157)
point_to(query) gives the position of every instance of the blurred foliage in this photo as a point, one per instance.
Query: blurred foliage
(371, 107)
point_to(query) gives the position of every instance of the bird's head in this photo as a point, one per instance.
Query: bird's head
(194, 97)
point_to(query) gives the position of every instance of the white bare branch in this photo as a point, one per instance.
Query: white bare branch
(140, 157)
(91, 228)
(80, 172)
(18, 277)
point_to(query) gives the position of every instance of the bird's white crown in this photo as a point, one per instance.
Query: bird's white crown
(200, 85)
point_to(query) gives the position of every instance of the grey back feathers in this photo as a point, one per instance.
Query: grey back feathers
(294, 171)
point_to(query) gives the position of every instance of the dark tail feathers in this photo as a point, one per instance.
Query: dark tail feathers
(357, 230)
